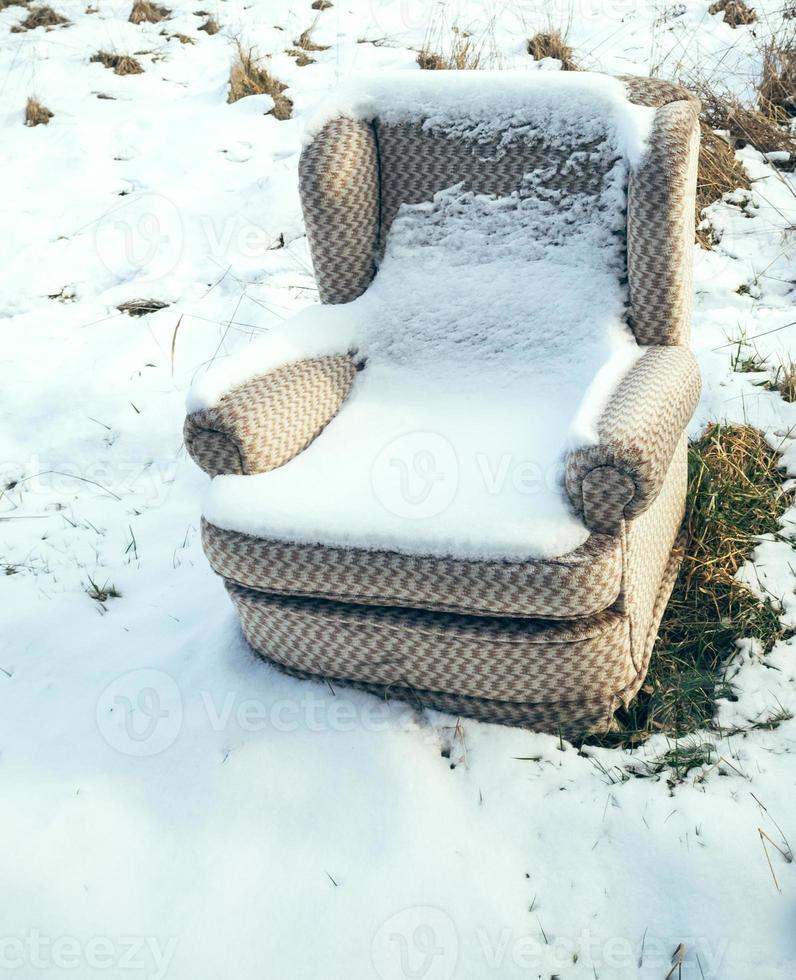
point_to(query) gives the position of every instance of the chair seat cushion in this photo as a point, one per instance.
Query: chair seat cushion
(502, 659)
(581, 583)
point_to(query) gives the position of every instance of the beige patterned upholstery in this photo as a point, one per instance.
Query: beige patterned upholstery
(555, 645)
(267, 421)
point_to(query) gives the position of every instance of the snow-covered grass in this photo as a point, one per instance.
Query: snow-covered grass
(170, 807)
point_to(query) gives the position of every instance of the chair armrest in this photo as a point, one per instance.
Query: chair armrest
(638, 433)
(266, 421)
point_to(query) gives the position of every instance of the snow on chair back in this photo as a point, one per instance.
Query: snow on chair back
(564, 147)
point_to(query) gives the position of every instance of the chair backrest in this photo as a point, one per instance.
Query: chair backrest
(355, 173)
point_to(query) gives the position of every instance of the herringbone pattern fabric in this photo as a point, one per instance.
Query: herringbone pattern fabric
(583, 582)
(497, 659)
(416, 163)
(339, 183)
(655, 92)
(661, 209)
(638, 431)
(265, 422)
(571, 719)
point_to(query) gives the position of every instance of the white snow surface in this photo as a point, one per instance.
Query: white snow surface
(170, 807)
(470, 372)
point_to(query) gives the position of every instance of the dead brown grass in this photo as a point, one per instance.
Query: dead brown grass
(146, 12)
(302, 58)
(36, 114)
(39, 17)
(13, 3)
(305, 42)
(777, 86)
(552, 44)
(122, 64)
(719, 174)
(321, 4)
(784, 381)
(736, 12)
(249, 77)
(745, 126)
(463, 54)
(210, 27)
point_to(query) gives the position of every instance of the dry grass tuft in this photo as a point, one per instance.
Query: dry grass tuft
(321, 4)
(146, 12)
(13, 3)
(39, 17)
(305, 42)
(464, 54)
(249, 77)
(552, 44)
(36, 114)
(210, 27)
(736, 12)
(182, 38)
(719, 174)
(784, 381)
(777, 87)
(735, 494)
(302, 58)
(122, 64)
(745, 126)
(140, 307)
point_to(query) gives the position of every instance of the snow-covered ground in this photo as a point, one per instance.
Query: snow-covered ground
(169, 806)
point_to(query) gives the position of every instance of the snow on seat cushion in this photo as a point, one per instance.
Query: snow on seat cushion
(586, 581)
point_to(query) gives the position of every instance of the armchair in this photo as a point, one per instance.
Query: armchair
(461, 481)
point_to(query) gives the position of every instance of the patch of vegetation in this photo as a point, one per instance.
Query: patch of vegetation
(302, 58)
(745, 126)
(719, 174)
(140, 307)
(777, 85)
(321, 4)
(36, 114)
(744, 362)
(122, 64)
(250, 77)
(552, 44)
(735, 494)
(101, 593)
(305, 42)
(39, 17)
(210, 26)
(736, 12)
(462, 54)
(784, 381)
(146, 12)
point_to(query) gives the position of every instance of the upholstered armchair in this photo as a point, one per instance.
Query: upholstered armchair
(545, 618)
